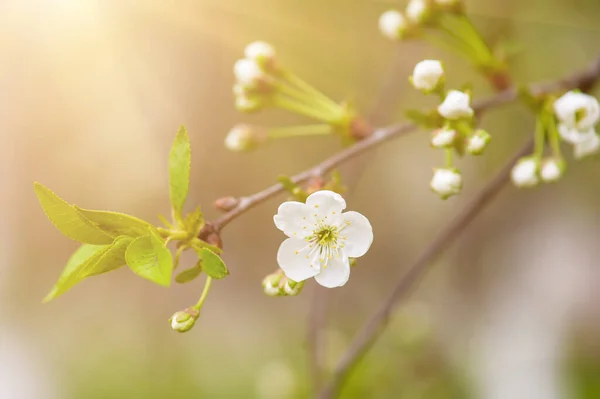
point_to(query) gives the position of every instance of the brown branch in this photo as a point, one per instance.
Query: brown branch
(582, 79)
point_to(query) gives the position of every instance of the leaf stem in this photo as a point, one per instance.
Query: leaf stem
(204, 294)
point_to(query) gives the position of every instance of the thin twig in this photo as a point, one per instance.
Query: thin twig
(376, 324)
(582, 79)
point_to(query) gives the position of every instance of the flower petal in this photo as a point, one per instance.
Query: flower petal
(295, 259)
(326, 204)
(295, 219)
(356, 233)
(336, 273)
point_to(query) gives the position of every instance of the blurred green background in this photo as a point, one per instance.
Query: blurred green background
(91, 95)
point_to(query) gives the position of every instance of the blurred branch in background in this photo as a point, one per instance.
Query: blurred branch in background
(376, 324)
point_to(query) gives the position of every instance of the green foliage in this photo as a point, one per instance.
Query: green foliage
(111, 239)
(69, 220)
(194, 222)
(212, 264)
(180, 159)
(115, 223)
(189, 275)
(148, 257)
(90, 260)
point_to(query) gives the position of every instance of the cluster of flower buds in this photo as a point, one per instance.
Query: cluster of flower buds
(184, 320)
(262, 82)
(397, 25)
(572, 118)
(277, 284)
(445, 25)
(457, 133)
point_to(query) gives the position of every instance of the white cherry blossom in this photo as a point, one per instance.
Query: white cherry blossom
(525, 173)
(427, 75)
(589, 145)
(446, 182)
(456, 105)
(552, 169)
(321, 238)
(577, 111)
(392, 24)
(248, 72)
(417, 11)
(443, 138)
(260, 52)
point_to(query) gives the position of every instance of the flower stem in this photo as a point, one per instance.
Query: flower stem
(303, 109)
(207, 284)
(309, 98)
(304, 130)
(449, 157)
(553, 136)
(539, 138)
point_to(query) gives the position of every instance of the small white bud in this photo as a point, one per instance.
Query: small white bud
(427, 75)
(590, 145)
(478, 142)
(417, 11)
(248, 72)
(393, 25)
(243, 137)
(577, 110)
(271, 284)
(446, 182)
(456, 105)
(443, 138)
(552, 169)
(525, 173)
(261, 52)
(249, 104)
(292, 288)
(184, 320)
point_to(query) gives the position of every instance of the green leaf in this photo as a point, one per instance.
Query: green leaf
(194, 221)
(69, 220)
(148, 257)
(180, 160)
(189, 275)
(212, 264)
(90, 260)
(116, 223)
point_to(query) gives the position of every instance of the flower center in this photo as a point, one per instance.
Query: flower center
(326, 235)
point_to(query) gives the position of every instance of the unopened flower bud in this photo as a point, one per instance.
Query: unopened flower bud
(393, 25)
(271, 284)
(249, 104)
(244, 137)
(478, 142)
(525, 173)
(226, 204)
(417, 11)
(248, 72)
(428, 75)
(552, 169)
(292, 288)
(446, 182)
(456, 105)
(184, 320)
(261, 52)
(443, 138)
